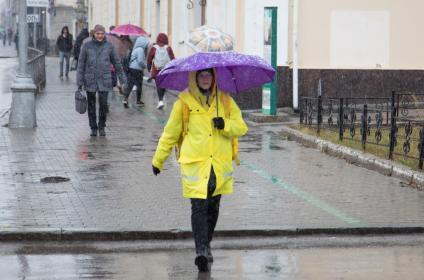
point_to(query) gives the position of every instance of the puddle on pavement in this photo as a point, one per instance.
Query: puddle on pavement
(99, 167)
(263, 141)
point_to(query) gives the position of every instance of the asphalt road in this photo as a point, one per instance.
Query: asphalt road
(324, 257)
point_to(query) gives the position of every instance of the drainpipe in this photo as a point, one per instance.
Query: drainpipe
(295, 54)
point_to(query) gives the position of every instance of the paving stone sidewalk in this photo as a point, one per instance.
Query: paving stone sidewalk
(279, 186)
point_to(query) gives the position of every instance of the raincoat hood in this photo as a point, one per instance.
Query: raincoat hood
(141, 42)
(162, 39)
(193, 87)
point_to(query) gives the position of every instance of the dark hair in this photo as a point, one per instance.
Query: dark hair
(63, 29)
(210, 70)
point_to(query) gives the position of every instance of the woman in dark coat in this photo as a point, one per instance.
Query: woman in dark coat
(94, 74)
(64, 45)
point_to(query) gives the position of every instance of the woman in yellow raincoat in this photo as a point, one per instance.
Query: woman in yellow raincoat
(205, 155)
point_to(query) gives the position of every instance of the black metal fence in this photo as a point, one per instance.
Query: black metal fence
(37, 67)
(396, 123)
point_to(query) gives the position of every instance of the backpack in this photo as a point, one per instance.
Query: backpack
(161, 57)
(226, 101)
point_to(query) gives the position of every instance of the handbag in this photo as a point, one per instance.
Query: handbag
(80, 101)
(74, 64)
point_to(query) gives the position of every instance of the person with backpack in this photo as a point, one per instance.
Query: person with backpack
(137, 64)
(159, 55)
(204, 125)
(64, 45)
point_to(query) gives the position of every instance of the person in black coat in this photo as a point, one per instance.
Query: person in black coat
(78, 43)
(64, 45)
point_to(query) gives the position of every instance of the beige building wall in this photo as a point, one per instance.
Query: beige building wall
(361, 34)
(101, 12)
(129, 12)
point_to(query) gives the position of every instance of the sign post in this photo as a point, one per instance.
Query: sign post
(31, 18)
(269, 91)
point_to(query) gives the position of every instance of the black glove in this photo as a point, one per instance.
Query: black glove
(218, 123)
(156, 170)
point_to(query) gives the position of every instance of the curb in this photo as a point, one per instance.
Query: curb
(386, 167)
(72, 235)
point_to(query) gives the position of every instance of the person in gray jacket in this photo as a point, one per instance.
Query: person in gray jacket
(94, 74)
(137, 64)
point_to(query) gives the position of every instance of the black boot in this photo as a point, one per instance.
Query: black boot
(202, 263)
(102, 132)
(93, 132)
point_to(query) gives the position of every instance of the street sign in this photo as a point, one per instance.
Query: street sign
(38, 3)
(33, 18)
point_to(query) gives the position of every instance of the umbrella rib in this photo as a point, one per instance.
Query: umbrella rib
(232, 75)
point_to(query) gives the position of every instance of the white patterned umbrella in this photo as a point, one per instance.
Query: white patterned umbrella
(209, 39)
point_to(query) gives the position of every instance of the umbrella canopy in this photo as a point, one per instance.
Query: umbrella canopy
(235, 72)
(209, 39)
(129, 29)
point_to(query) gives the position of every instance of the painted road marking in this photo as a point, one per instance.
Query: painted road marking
(303, 195)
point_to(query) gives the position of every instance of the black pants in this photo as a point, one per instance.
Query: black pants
(161, 93)
(135, 77)
(92, 116)
(204, 216)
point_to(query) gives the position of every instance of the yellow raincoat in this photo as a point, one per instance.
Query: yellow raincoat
(203, 146)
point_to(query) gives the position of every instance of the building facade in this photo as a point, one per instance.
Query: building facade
(355, 47)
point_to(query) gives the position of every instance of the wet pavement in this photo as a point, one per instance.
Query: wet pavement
(138, 260)
(280, 184)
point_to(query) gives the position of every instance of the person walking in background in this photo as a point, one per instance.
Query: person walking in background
(159, 55)
(78, 43)
(205, 138)
(10, 35)
(137, 64)
(4, 38)
(16, 39)
(93, 73)
(64, 45)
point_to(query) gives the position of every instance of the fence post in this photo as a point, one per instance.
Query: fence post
(341, 119)
(319, 113)
(392, 127)
(420, 165)
(364, 125)
(301, 111)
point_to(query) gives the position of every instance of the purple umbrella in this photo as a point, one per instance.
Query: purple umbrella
(235, 72)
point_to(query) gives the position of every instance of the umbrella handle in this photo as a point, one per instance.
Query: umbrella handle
(216, 93)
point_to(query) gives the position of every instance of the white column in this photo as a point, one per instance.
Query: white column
(295, 54)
